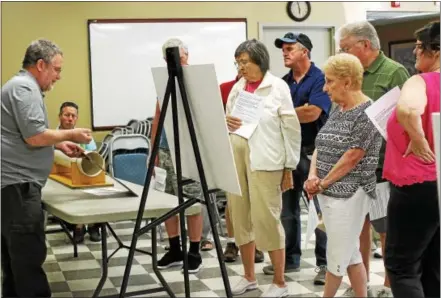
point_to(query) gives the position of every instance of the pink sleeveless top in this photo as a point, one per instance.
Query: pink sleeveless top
(410, 170)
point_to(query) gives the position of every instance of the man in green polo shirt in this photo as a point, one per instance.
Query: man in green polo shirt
(380, 76)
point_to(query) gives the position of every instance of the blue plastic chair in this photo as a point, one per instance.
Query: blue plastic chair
(128, 156)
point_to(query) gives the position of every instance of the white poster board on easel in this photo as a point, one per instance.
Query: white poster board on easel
(436, 133)
(209, 121)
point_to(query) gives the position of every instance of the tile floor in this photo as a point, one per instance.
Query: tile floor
(78, 277)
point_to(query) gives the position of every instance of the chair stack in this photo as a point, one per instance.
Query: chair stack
(133, 127)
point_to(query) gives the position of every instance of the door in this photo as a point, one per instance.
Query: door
(322, 38)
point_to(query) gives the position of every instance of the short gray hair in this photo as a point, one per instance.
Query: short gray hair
(40, 49)
(360, 30)
(172, 43)
(257, 51)
(304, 48)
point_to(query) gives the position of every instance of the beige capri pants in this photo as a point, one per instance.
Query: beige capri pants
(256, 215)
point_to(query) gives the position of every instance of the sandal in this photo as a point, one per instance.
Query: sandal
(206, 245)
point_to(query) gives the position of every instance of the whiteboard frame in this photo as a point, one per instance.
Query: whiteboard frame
(152, 20)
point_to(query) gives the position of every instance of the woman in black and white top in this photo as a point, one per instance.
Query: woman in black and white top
(342, 172)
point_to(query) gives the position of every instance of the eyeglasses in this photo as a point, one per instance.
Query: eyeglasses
(241, 63)
(347, 49)
(419, 46)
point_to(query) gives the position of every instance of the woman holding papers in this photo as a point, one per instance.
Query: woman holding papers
(265, 136)
(413, 236)
(342, 172)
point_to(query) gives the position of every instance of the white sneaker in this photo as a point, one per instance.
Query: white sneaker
(385, 292)
(350, 292)
(276, 291)
(242, 286)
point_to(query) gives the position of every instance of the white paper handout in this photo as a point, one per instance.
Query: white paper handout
(104, 191)
(380, 111)
(248, 108)
(313, 221)
(160, 179)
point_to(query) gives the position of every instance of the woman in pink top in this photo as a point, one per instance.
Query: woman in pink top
(412, 254)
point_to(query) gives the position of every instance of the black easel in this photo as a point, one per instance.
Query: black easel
(174, 72)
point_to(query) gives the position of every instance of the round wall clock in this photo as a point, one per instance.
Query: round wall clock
(299, 10)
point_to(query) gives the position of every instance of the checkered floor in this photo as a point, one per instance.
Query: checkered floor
(78, 277)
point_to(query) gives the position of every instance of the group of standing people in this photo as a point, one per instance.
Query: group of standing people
(301, 145)
(359, 178)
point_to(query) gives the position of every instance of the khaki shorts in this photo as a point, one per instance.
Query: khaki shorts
(256, 215)
(171, 184)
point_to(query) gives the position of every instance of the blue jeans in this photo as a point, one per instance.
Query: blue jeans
(290, 218)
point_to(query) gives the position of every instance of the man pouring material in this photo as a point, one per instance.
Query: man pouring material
(27, 156)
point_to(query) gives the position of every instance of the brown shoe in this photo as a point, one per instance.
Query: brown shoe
(258, 257)
(231, 252)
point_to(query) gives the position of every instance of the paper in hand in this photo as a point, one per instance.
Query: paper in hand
(248, 108)
(313, 221)
(380, 111)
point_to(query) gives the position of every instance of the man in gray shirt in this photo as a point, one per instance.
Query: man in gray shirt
(27, 154)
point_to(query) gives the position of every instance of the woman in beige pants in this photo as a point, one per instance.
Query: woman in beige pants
(264, 162)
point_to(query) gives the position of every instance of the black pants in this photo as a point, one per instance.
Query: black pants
(291, 219)
(413, 241)
(23, 242)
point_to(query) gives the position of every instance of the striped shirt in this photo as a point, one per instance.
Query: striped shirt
(380, 77)
(342, 132)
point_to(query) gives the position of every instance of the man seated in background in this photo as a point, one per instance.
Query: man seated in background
(68, 117)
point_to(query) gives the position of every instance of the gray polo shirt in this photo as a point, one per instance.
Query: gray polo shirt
(23, 115)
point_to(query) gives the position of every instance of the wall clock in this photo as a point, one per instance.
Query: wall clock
(299, 10)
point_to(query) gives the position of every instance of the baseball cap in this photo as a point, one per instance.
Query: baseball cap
(293, 38)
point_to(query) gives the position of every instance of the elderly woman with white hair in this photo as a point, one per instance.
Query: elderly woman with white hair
(264, 164)
(381, 74)
(342, 172)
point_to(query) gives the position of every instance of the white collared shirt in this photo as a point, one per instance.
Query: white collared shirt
(275, 144)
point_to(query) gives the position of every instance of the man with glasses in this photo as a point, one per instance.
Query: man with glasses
(68, 117)
(174, 257)
(312, 107)
(27, 155)
(381, 75)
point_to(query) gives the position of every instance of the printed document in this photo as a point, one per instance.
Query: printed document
(249, 109)
(160, 179)
(313, 221)
(104, 191)
(380, 111)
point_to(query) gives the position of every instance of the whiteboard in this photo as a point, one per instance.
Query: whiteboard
(208, 117)
(122, 54)
(321, 38)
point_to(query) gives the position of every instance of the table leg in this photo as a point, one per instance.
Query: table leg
(104, 260)
(71, 237)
